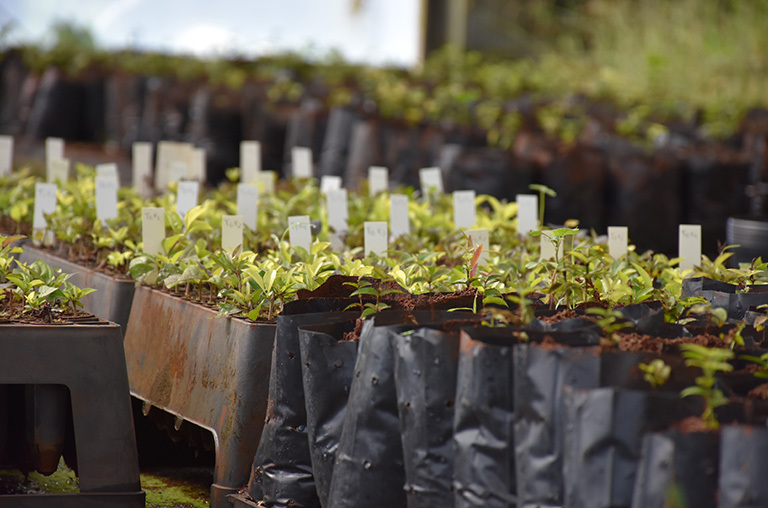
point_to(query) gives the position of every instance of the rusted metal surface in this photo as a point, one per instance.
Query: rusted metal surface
(46, 407)
(113, 297)
(89, 361)
(211, 372)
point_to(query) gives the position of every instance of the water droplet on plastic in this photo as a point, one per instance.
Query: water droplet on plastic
(367, 465)
(437, 361)
(375, 380)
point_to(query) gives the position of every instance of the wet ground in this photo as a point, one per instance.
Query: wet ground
(165, 487)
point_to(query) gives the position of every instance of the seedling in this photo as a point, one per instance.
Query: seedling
(656, 372)
(611, 321)
(365, 287)
(710, 361)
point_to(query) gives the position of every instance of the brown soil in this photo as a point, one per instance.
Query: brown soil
(354, 335)
(637, 342)
(561, 316)
(692, 424)
(759, 392)
(550, 344)
(47, 316)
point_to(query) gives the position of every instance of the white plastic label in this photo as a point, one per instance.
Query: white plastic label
(376, 238)
(106, 197)
(338, 211)
(45, 203)
(186, 197)
(153, 229)
(54, 149)
(250, 160)
(178, 171)
(168, 153)
(399, 223)
(6, 154)
(690, 245)
(329, 183)
(527, 213)
(197, 166)
(300, 231)
(58, 170)
(108, 169)
(547, 249)
(142, 168)
(248, 204)
(464, 209)
(231, 231)
(378, 180)
(301, 162)
(480, 237)
(338, 217)
(431, 180)
(618, 240)
(266, 181)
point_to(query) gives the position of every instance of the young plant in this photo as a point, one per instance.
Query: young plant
(611, 321)
(656, 372)
(364, 287)
(711, 361)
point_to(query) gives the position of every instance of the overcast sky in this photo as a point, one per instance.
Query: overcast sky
(372, 31)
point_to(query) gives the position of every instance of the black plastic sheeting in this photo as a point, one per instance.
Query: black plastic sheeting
(369, 468)
(743, 467)
(327, 368)
(425, 381)
(369, 461)
(540, 375)
(282, 468)
(677, 469)
(603, 439)
(484, 461)
(724, 295)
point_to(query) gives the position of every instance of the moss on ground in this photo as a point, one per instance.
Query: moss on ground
(166, 488)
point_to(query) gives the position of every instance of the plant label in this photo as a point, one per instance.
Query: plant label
(58, 171)
(266, 181)
(153, 229)
(431, 180)
(690, 246)
(329, 183)
(107, 169)
(399, 223)
(45, 203)
(178, 171)
(338, 210)
(231, 232)
(527, 213)
(618, 241)
(546, 248)
(338, 217)
(378, 180)
(250, 160)
(480, 237)
(300, 232)
(301, 162)
(169, 152)
(186, 197)
(197, 167)
(6, 154)
(248, 204)
(106, 197)
(142, 168)
(464, 209)
(376, 238)
(54, 149)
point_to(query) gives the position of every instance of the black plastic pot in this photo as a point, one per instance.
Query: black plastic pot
(484, 461)
(603, 439)
(540, 375)
(677, 469)
(282, 466)
(425, 380)
(750, 234)
(369, 468)
(743, 466)
(722, 294)
(327, 367)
